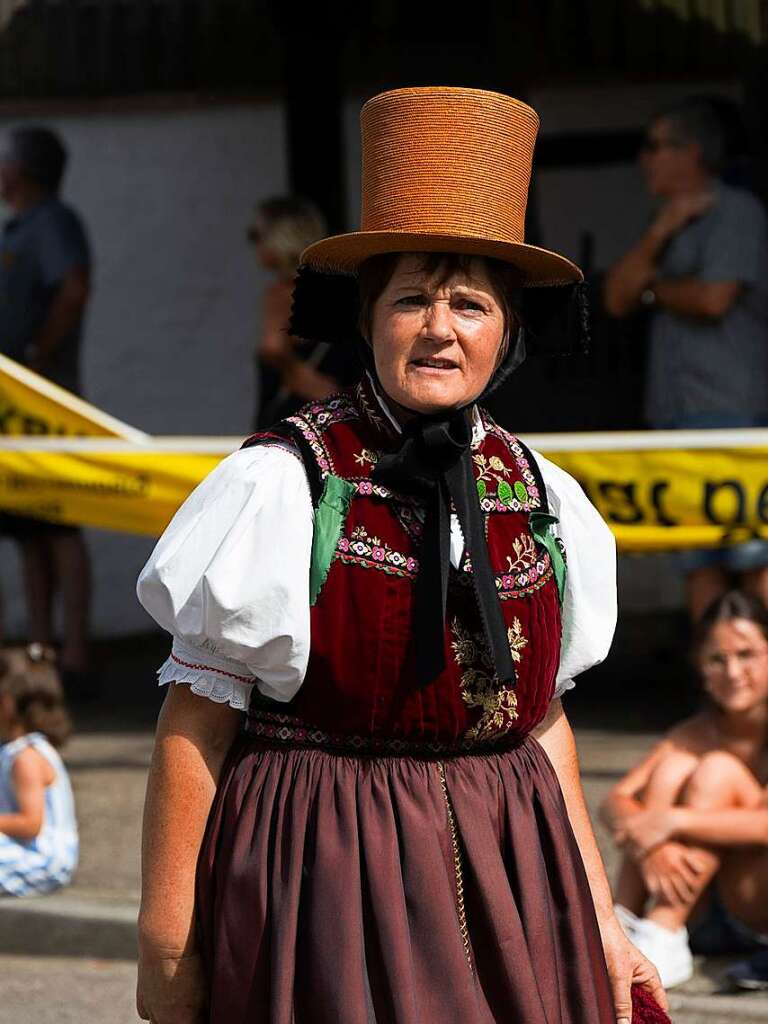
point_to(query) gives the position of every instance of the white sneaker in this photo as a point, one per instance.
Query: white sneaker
(668, 951)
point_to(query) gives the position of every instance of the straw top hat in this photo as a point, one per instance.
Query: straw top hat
(445, 170)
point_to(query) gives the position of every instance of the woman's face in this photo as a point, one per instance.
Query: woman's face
(436, 347)
(734, 665)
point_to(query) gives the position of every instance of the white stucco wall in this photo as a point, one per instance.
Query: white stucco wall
(166, 197)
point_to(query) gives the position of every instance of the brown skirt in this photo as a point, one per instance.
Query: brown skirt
(336, 889)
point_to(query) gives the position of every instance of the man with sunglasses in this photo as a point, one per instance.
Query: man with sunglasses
(701, 270)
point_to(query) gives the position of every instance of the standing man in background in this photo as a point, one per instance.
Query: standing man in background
(701, 269)
(45, 269)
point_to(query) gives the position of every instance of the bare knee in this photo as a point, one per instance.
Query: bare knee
(720, 780)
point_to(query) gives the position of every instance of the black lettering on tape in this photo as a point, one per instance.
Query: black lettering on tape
(711, 492)
(622, 502)
(657, 494)
(762, 504)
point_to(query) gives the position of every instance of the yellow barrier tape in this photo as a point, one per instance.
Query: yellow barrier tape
(136, 492)
(657, 491)
(32, 405)
(656, 500)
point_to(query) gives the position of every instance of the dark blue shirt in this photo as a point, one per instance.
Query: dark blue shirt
(700, 369)
(38, 249)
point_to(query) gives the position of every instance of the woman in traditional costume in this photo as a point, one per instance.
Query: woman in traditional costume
(364, 803)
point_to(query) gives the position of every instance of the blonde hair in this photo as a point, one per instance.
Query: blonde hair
(286, 225)
(29, 676)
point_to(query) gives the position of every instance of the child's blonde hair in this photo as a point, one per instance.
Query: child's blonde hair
(28, 675)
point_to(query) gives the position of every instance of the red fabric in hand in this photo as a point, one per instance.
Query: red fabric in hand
(645, 1009)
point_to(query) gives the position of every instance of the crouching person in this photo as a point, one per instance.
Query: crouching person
(692, 818)
(38, 829)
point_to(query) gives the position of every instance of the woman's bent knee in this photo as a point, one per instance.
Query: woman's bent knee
(720, 774)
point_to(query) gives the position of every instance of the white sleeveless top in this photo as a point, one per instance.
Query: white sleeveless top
(58, 839)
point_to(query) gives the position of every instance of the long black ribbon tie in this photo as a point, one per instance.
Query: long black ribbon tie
(434, 462)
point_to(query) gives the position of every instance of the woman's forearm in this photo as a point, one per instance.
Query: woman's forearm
(556, 737)
(731, 827)
(616, 808)
(193, 737)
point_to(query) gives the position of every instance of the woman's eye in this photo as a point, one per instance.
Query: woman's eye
(411, 300)
(471, 305)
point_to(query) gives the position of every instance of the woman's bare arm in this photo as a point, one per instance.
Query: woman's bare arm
(623, 799)
(193, 737)
(625, 964)
(737, 826)
(556, 737)
(656, 782)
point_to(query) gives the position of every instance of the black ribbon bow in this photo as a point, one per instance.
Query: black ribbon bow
(434, 462)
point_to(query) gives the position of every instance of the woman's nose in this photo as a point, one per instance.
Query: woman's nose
(733, 669)
(438, 321)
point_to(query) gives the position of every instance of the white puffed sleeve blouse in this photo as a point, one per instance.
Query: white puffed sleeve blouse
(229, 578)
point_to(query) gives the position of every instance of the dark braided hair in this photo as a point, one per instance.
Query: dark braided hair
(28, 675)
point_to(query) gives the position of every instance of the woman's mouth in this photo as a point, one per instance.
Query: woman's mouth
(434, 363)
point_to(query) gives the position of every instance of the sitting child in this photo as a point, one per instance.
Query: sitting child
(38, 830)
(692, 818)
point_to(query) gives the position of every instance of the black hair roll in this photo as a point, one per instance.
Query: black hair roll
(557, 319)
(324, 307)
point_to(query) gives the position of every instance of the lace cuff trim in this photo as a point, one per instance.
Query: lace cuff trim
(205, 681)
(561, 686)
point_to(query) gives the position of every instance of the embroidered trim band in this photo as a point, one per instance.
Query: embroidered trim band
(211, 668)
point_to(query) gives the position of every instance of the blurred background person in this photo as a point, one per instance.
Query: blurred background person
(38, 830)
(45, 270)
(701, 270)
(692, 817)
(290, 372)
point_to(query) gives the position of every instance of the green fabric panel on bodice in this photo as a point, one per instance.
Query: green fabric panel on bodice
(541, 527)
(330, 515)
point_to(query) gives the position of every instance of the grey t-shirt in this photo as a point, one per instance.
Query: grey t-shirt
(37, 250)
(719, 368)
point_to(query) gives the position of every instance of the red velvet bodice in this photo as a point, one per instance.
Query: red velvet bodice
(360, 680)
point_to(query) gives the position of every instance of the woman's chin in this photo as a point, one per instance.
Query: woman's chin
(430, 399)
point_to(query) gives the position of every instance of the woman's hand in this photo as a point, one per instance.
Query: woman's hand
(673, 871)
(642, 832)
(171, 989)
(627, 967)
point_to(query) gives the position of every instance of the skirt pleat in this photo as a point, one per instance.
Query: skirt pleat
(335, 889)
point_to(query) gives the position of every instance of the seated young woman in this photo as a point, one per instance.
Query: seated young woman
(692, 817)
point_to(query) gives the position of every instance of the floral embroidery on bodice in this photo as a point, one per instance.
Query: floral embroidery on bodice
(360, 679)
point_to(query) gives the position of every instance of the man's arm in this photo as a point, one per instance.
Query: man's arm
(701, 300)
(66, 309)
(636, 271)
(626, 281)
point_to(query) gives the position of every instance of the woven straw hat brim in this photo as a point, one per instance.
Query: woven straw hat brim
(344, 253)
